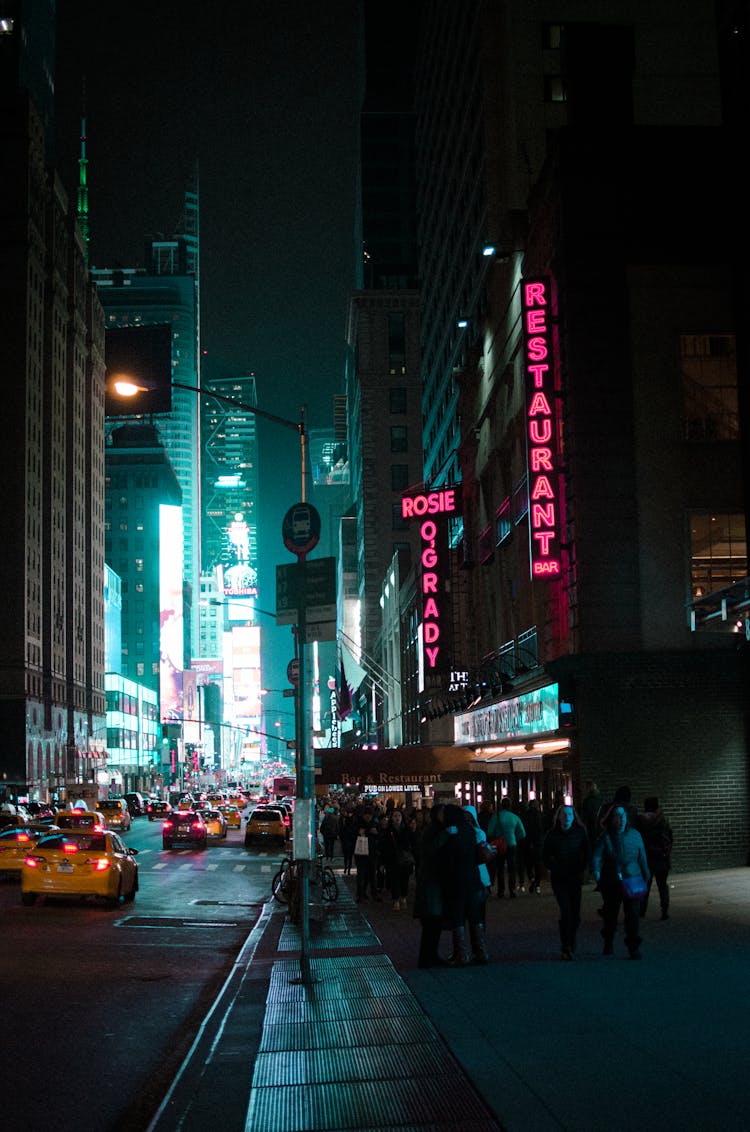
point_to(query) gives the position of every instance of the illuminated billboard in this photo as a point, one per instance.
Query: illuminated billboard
(171, 615)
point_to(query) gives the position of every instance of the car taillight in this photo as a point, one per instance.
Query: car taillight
(31, 862)
(167, 825)
(101, 864)
(70, 847)
(197, 826)
(23, 837)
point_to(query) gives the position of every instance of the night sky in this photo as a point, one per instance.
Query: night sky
(267, 97)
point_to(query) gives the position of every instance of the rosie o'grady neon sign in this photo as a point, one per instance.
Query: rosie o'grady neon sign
(424, 506)
(544, 502)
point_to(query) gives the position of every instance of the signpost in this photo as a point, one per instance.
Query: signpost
(305, 597)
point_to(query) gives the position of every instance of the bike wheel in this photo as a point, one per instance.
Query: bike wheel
(329, 888)
(281, 883)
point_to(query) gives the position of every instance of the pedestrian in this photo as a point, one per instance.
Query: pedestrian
(486, 812)
(619, 853)
(658, 839)
(460, 884)
(531, 846)
(589, 810)
(565, 854)
(329, 830)
(428, 897)
(507, 830)
(365, 856)
(397, 849)
(478, 920)
(348, 836)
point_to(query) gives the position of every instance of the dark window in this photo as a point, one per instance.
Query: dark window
(397, 399)
(399, 438)
(399, 477)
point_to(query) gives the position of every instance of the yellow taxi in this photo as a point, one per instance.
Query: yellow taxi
(216, 825)
(267, 823)
(116, 813)
(15, 845)
(80, 862)
(80, 819)
(232, 816)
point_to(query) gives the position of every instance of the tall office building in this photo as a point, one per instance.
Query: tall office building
(166, 292)
(582, 248)
(383, 372)
(51, 444)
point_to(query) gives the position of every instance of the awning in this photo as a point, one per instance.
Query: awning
(393, 766)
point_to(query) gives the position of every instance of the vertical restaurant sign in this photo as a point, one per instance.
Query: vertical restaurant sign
(541, 428)
(431, 509)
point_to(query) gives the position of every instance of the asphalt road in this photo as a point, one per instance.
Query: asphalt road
(101, 1005)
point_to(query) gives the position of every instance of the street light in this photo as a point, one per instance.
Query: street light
(124, 385)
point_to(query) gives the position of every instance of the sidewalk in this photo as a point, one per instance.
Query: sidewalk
(526, 1044)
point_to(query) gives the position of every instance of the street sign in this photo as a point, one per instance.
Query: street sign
(300, 529)
(309, 589)
(292, 672)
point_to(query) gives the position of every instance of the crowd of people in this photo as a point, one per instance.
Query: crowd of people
(453, 858)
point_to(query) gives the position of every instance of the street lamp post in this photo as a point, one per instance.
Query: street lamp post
(126, 386)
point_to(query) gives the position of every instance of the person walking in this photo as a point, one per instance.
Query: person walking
(428, 897)
(658, 840)
(366, 857)
(460, 883)
(565, 854)
(531, 846)
(329, 831)
(619, 853)
(348, 836)
(397, 849)
(507, 829)
(478, 919)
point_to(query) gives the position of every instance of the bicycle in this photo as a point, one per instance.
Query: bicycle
(287, 884)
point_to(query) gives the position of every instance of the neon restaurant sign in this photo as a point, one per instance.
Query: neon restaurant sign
(541, 429)
(429, 507)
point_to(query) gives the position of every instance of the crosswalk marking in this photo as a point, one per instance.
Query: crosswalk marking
(238, 868)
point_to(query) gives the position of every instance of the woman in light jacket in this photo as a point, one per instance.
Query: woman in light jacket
(619, 853)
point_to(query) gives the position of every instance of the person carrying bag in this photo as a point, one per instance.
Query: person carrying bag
(619, 866)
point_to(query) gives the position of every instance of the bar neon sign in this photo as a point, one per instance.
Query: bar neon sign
(424, 506)
(544, 496)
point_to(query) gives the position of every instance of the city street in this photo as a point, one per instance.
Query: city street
(104, 1003)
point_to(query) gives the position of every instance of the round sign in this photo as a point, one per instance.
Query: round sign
(301, 529)
(292, 672)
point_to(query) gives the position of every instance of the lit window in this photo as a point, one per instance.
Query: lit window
(718, 551)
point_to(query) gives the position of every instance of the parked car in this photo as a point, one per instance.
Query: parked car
(116, 813)
(80, 862)
(266, 823)
(184, 827)
(157, 809)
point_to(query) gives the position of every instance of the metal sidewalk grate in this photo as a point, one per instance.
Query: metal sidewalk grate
(423, 1104)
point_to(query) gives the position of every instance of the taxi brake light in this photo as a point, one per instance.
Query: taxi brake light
(70, 847)
(101, 864)
(23, 837)
(31, 862)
